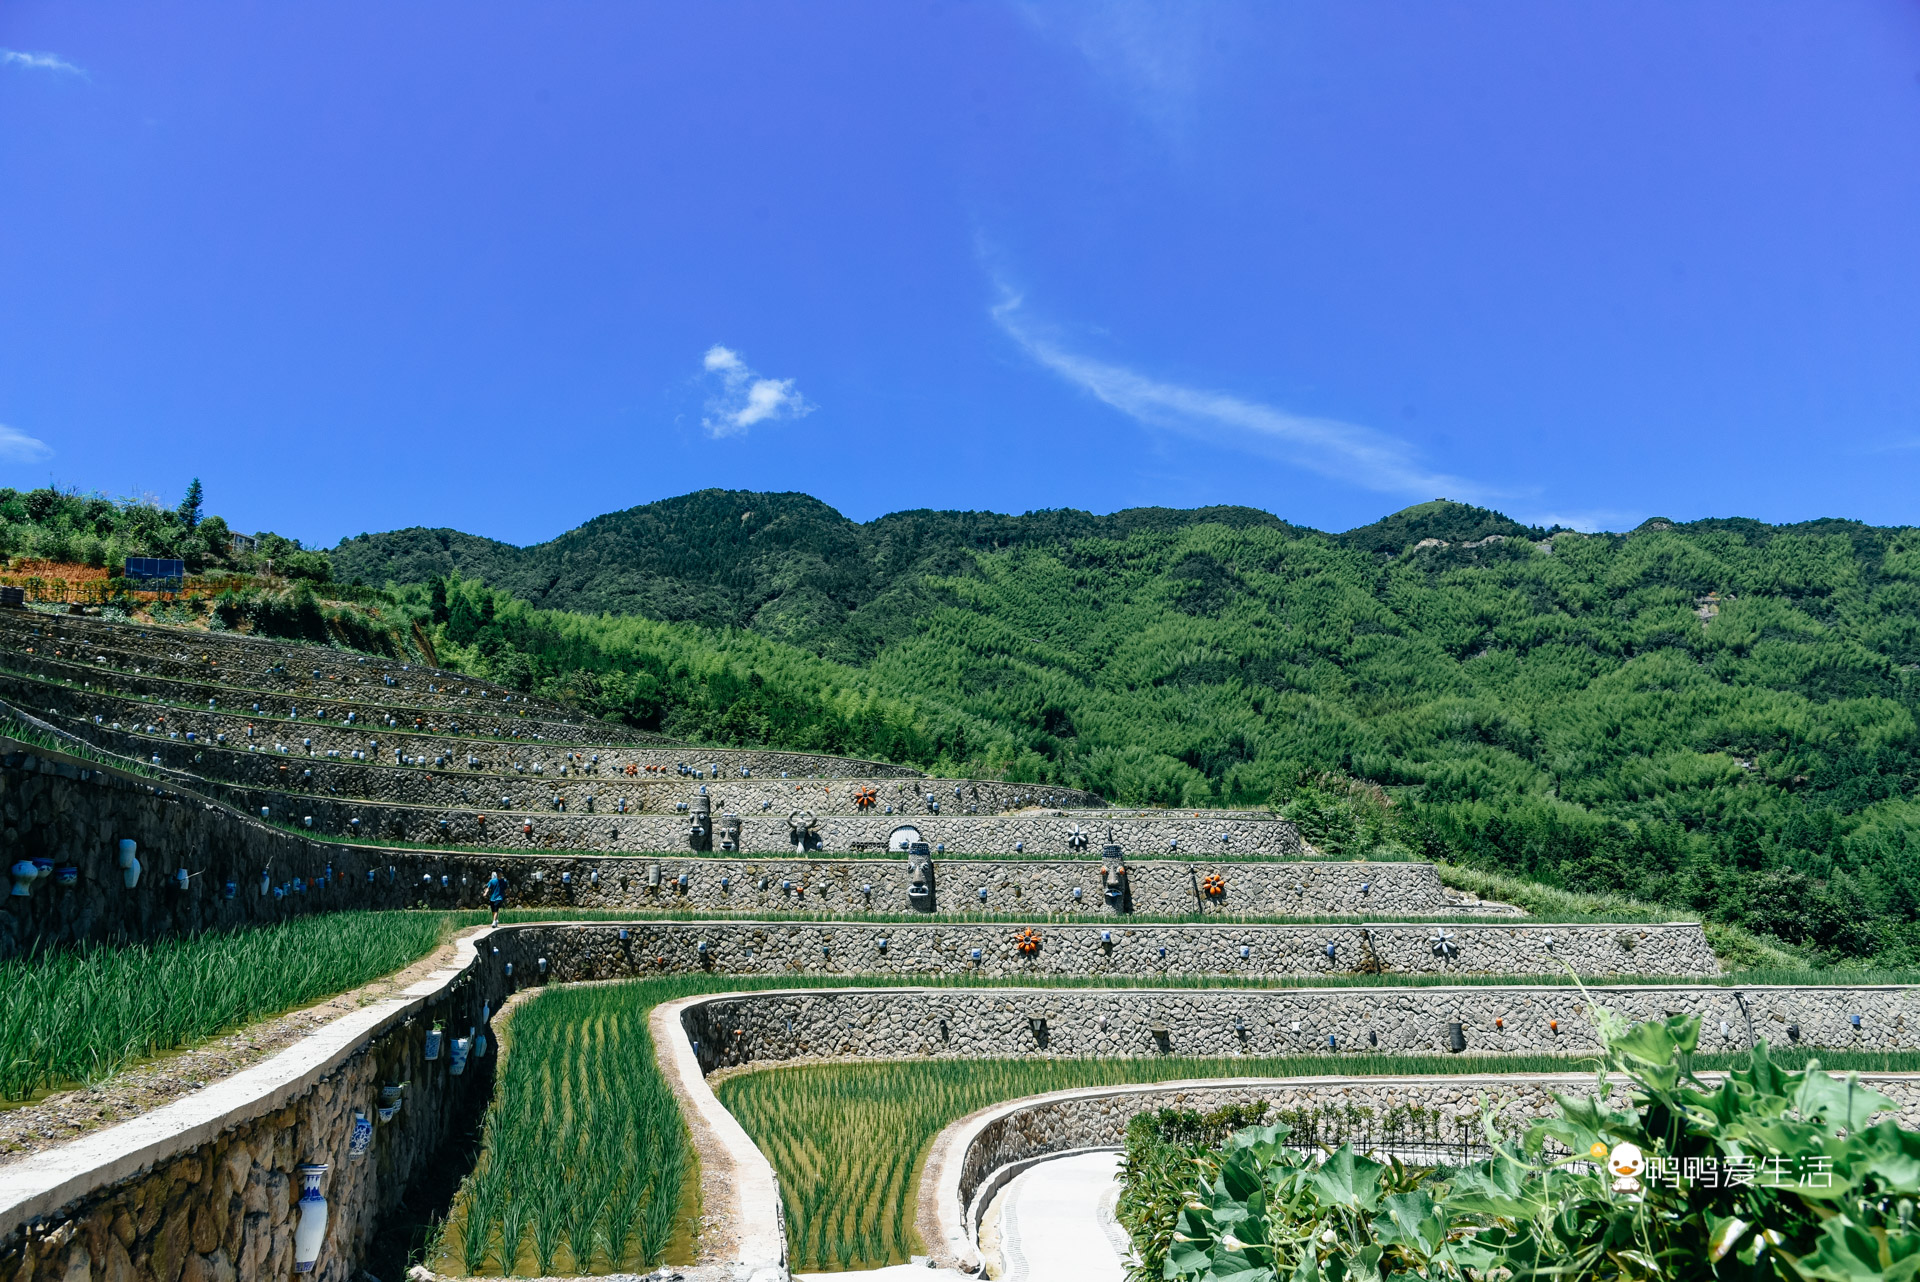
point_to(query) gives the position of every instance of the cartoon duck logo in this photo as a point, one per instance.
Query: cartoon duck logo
(1626, 1162)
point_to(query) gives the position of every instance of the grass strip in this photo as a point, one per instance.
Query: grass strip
(77, 1015)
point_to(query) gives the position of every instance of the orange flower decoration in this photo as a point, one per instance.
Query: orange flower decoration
(865, 798)
(1213, 885)
(1027, 940)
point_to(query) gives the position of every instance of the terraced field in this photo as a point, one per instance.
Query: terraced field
(214, 828)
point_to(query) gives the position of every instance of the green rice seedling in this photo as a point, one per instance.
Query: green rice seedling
(549, 1216)
(482, 1213)
(81, 1014)
(513, 1228)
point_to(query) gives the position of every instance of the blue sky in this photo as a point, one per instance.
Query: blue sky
(505, 268)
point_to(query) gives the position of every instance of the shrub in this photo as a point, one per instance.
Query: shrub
(1766, 1173)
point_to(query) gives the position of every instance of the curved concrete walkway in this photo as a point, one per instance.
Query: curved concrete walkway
(1056, 1222)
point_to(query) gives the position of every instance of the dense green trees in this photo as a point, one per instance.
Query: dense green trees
(1719, 715)
(94, 530)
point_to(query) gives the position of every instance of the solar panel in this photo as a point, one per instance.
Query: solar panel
(156, 570)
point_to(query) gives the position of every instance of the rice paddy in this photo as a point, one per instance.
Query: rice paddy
(585, 1160)
(82, 1014)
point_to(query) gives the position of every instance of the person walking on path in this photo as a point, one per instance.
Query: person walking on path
(496, 894)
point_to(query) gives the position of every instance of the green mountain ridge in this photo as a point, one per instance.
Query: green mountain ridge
(785, 565)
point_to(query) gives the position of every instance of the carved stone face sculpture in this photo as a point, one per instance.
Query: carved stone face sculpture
(920, 877)
(1113, 876)
(730, 832)
(803, 830)
(700, 835)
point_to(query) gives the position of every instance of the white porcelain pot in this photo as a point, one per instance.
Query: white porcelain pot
(311, 1232)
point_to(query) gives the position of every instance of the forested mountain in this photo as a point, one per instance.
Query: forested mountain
(1719, 714)
(785, 565)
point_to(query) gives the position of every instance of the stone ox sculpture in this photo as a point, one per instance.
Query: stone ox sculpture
(803, 830)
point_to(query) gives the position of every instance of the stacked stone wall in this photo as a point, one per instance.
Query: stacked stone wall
(207, 1190)
(331, 734)
(261, 665)
(614, 950)
(1081, 1023)
(580, 787)
(29, 675)
(72, 814)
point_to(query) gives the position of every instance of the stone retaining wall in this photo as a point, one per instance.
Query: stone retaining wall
(1039, 831)
(259, 664)
(583, 788)
(966, 1023)
(72, 813)
(29, 678)
(1038, 886)
(205, 1190)
(494, 754)
(598, 951)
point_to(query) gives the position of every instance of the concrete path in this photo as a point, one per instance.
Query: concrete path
(892, 1273)
(1056, 1222)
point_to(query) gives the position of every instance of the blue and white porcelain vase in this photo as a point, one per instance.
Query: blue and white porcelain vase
(312, 1229)
(361, 1137)
(433, 1043)
(461, 1047)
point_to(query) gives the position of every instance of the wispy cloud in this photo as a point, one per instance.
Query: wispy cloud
(1342, 451)
(38, 62)
(17, 447)
(743, 398)
(1587, 522)
(1149, 52)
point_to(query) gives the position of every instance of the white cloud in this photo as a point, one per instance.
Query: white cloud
(742, 398)
(1343, 451)
(1152, 54)
(1589, 522)
(38, 61)
(17, 447)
